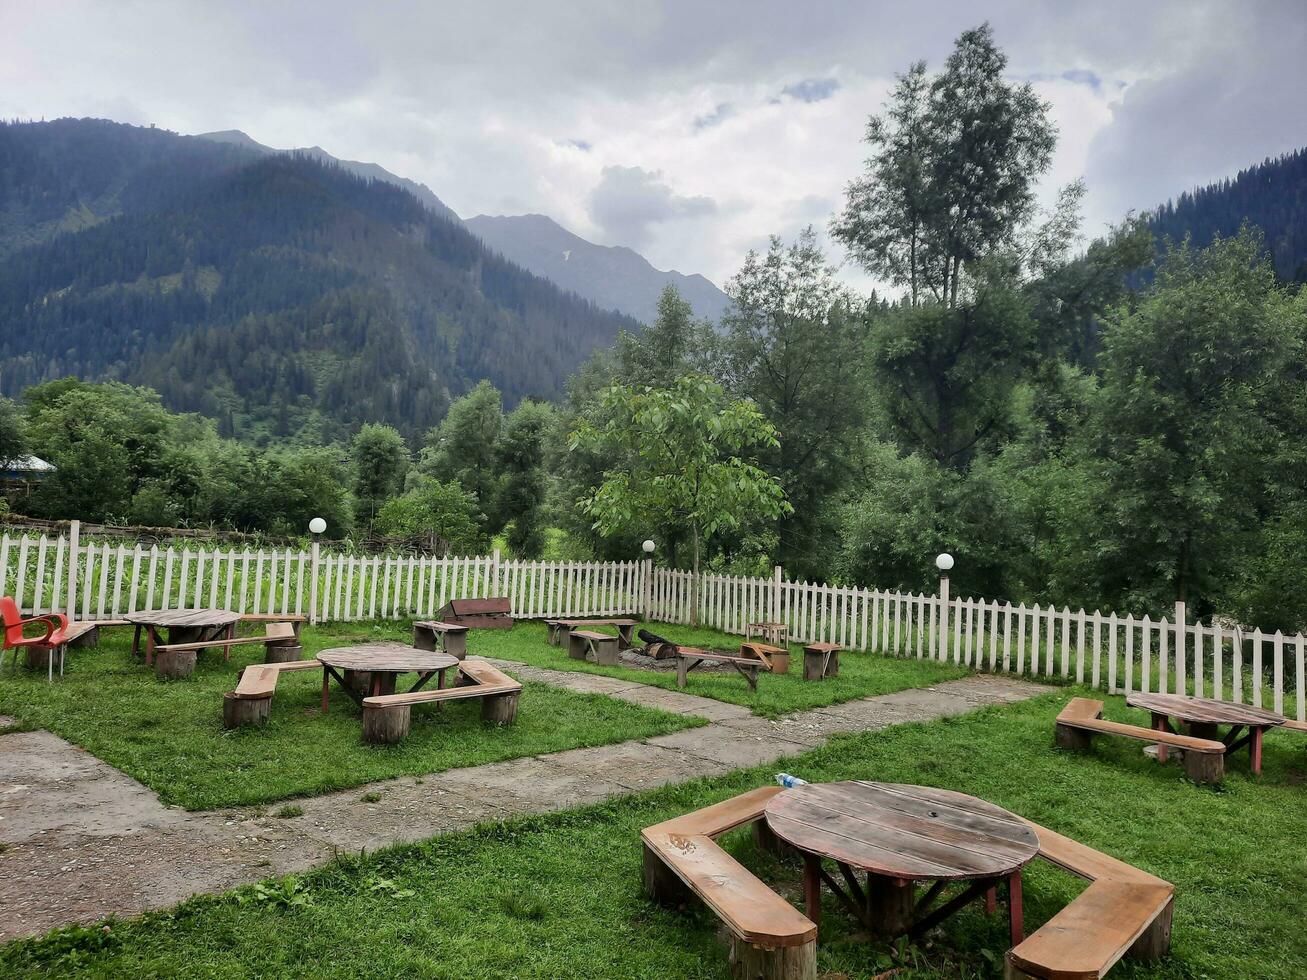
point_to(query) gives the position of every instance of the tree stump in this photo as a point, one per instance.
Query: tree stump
(889, 905)
(385, 725)
(1155, 941)
(661, 883)
(38, 658)
(91, 638)
(171, 665)
(1075, 739)
(1205, 767)
(766, 839)
(281, 653)
(814, 665)
(1203, 729)
(749, 962)
(499, 709)
(359, 681)
(238, 712)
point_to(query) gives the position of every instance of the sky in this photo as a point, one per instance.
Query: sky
(688, 131)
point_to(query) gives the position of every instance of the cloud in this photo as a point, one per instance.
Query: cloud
(722, 112)
(628, 201)
(812, 89)
(585, 146)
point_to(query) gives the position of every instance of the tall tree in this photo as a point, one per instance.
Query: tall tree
(519, 455)
(462, 448)
(683, 456)
(381, 460)
(674, 344)
(794, 346)
(13, 433)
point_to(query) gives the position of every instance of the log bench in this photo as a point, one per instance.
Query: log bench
(559, 629)
(450, 638)
(1124, 912)
(776, 658)
(688, 658)
(386, 717)
(177, 660)
(770, 938)
(1081, 719)
(821, 660)
(250, 703)
(603, 646)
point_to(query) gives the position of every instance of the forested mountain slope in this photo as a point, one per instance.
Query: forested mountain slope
(279, 294)
(1271, 195)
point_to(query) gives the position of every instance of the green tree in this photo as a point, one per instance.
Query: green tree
(381, 460)
(684, 458)
(444, 516)
(673, 345)
(13, 432)
(520, 455)
(795, 347)
(462, 448)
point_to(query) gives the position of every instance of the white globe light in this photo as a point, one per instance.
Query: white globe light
(944, 562)
(648, 546)
(317, 525)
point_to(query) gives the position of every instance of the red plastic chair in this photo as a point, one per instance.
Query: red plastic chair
(55, 626)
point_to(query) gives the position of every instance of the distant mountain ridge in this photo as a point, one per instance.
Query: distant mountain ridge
(614, 277)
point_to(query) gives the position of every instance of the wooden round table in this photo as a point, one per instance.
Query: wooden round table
(371, 669)
(183, 626)
(1247, 722)
(899, 835)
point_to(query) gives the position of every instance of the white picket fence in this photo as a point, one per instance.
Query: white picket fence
(102, 580)
(1119, 654)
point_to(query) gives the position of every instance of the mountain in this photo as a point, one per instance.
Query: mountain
(281, 294)
(1271, 195)
(370, 171)
(613, 277)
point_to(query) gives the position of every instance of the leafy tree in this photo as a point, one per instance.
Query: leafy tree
(462, 448)
(445, 516)
(13, 433)
(381, 461)
(683, 458)
(519, 457)
(794, 346)
(673, 345)
(951, 179)
(311, 486)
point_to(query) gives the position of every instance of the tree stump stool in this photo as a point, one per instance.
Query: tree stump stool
(385, 725)
(360, 682)
(499, 709)
(281, 653)
(240, 712)
(820, 660)
(38, 658)
(171, 665)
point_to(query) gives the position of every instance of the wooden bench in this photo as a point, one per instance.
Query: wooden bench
(488, 614)
(435, 635)
(250, 703)
(602, 645)
(821, 660)
(176, 660)
(776, 658)
(770, 938)
(559, 629)
(1293, 725)
(688, 658)
(1081, 719)
(1124, 911)
(386, 717)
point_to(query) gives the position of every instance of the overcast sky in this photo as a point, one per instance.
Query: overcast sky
(690, 131)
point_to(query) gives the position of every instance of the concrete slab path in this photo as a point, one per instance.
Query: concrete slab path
(82, 841)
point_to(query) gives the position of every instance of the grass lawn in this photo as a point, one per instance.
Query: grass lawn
(560, 895)
(861, 675)
(170, 735)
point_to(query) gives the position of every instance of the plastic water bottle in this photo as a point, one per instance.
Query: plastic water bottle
(788, 781)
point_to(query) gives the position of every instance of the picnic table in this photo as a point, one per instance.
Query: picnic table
(898, 835)
(776, 634)
(371, 669)
(559, 629)
(1247, 723)
(182, 625)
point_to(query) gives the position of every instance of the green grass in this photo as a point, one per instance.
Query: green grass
(861, 675)
(170, 735)
(560, 895)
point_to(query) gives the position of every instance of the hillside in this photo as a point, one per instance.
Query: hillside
(614, 278)
(1271, 195)
(280, 294)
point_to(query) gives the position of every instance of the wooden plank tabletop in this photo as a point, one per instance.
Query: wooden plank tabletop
(902, 831)
(437, 626)
(391, 658)
(184, 618)
(1204, 710)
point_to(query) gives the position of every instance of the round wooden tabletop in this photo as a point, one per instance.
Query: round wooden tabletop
(1204, 710)
(183, 618)
(901, 831)
(390, 658)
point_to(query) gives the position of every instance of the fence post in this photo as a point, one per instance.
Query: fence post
(1180, 646)
(646, 589)
(313, 585)
(74, 541)
(494, 573)
(943, 617)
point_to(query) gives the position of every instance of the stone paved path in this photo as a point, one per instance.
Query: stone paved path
(83, 841)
